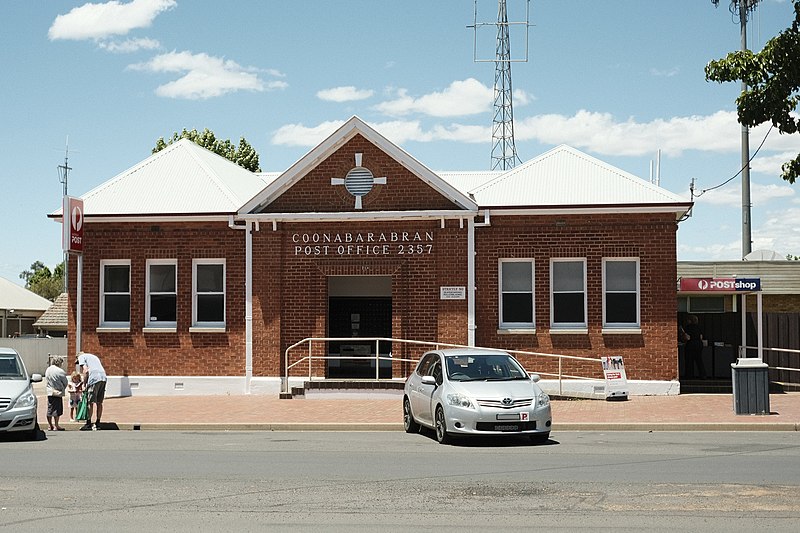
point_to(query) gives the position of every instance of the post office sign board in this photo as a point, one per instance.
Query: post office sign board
(720, 284)
(72, 223)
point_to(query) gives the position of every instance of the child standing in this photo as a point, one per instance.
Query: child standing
(74, 388)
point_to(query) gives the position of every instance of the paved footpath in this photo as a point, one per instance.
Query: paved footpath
(713, 412)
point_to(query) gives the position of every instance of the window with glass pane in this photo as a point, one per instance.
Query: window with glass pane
(621, 292)
(162, 294)
(209, 293)
(516, 293)
(116, 294)
(569, 293)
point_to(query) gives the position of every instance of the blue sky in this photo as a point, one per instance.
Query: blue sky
(618, 79)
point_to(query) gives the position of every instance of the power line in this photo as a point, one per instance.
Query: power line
(701, 193)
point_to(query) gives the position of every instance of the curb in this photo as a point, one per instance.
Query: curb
(370, 426)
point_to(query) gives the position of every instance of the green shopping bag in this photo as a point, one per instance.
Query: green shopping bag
(83, 408)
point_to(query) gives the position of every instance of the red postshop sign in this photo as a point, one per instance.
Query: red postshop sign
(72, 219)
(720, 284)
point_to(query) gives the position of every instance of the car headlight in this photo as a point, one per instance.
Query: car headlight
(543, 399)
(460, 400)
(27, 399)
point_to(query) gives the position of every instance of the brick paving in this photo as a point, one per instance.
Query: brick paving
(698, 411)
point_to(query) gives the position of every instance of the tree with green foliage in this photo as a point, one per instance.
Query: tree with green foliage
(243, 155)
(41, 281)
(773, 84)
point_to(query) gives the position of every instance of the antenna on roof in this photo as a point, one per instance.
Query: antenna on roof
(504, 152)
(63, 178)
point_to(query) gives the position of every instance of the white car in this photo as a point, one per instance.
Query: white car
(475, 392)
(17, 399)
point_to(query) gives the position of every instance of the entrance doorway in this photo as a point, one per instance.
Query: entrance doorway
(359, 307)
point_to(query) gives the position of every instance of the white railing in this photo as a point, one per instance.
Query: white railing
(787, 350)
(310, 357)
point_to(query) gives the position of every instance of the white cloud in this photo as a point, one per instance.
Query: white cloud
(299, 135)
(205, 76)
(665, 73)
(603, 133)
(129, 45)
(344, 94)
(522, 98)
(98, 21)
(780, 232)
(461, 98)
(397, 131)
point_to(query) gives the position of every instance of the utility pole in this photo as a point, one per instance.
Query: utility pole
(742, 9)
(63, 177)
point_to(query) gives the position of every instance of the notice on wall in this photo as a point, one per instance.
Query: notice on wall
(452, 293)
(616, 380)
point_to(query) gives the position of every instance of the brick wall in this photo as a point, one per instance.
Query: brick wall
(180, 353)
(649, 355)
(403, 191)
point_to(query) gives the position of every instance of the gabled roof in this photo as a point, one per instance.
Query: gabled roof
(326, 148)
(56, 316)
(12, 296)
(566, 177)
(183, 178)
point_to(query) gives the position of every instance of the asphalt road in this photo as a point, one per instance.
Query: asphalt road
(390, 481)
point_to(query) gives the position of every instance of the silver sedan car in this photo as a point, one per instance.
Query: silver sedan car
(475, 392)
(17, 399)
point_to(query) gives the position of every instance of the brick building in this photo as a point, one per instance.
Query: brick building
(197, 275)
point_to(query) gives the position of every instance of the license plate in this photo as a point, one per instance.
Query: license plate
(508, 416)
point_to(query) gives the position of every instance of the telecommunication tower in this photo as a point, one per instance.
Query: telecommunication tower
(504, 152)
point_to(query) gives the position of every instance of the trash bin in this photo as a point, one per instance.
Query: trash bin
(750, 386)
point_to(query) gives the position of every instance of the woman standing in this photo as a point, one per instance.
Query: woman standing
(57, 381)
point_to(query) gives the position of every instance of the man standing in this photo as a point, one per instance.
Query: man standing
(94, 382)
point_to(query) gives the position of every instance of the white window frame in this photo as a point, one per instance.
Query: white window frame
(159, 325)
(209, 326)
(115, 325)
(568, 327)
(505, 326)
(623, 325)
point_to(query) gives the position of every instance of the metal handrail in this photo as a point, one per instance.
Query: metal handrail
(437, 345)
(788, 350)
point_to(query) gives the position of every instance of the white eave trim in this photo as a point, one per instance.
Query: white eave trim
(360, 215)
(570, 210)
(153, 218)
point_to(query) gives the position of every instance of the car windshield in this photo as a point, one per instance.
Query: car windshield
(483, 367)
(10, 367)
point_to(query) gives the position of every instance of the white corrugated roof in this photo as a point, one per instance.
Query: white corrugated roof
(564, 176)
(187, 179)
(183, 178)
(12, 296)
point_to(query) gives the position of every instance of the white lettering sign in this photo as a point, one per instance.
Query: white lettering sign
(363, 243)
(452, 293)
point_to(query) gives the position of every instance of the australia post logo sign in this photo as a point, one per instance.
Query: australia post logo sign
(72, 238)
(720, 284)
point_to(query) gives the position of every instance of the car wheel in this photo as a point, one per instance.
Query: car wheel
(409, 423)
(441, 427)
(540, 438)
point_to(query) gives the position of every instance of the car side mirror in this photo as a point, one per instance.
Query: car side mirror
(428, 380)
(36, 378)
(534, 377)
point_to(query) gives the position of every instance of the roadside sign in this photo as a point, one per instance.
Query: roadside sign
(616, 380)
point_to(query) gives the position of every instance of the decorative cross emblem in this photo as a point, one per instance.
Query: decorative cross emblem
(358, 181)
